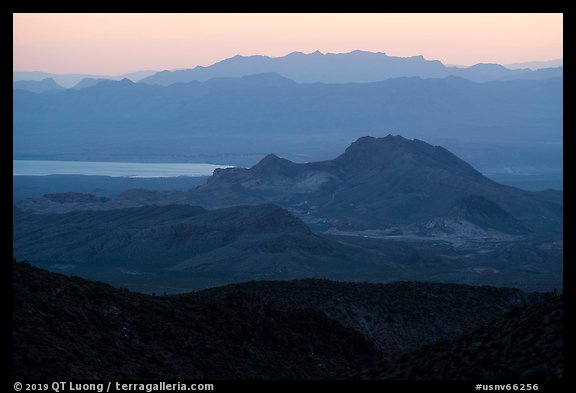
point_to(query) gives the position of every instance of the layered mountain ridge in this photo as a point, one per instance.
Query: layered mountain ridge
(239, 120)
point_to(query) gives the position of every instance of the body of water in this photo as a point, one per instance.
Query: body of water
(114, 169)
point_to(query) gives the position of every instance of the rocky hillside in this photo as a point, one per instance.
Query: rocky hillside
(395, 316)
(525, 345)
(247, 242)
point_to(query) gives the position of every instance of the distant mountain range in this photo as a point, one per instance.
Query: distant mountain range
(88, 82)
(356, 66)
(70, 80)
(536, 65)
(308, 329)
(41, 86)
(239, 120)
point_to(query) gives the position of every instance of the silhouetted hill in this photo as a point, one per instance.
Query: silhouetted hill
(356, 66)
(42, 86)
(395, 316)
(70, 328)
(382, 182)
(524, 345)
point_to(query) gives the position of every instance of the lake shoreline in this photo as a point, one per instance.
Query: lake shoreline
(112, 169)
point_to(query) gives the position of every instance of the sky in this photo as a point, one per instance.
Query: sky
(115, 44)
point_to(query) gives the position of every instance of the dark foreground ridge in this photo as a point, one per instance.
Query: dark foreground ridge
(70, 328)
(395, 316)
(525, 345)
(67, 327)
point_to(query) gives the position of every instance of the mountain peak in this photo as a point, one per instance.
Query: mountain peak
(397, 151)
(274, 165)
(269, 158)
(109, 83)
(88, 82)
(368, 144)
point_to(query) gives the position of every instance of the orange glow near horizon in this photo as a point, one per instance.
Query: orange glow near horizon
(113, 44)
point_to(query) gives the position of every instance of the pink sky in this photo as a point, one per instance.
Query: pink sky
(114, 44)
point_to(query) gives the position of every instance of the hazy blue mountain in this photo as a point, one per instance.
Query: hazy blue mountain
(69, 80)
(356, 66)
(239, 120)
(65, 80)
(483, 72)
(536, 65)
(42, 86)
(489, 72)
(135, 76)
(88, 82)
(542, 73)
